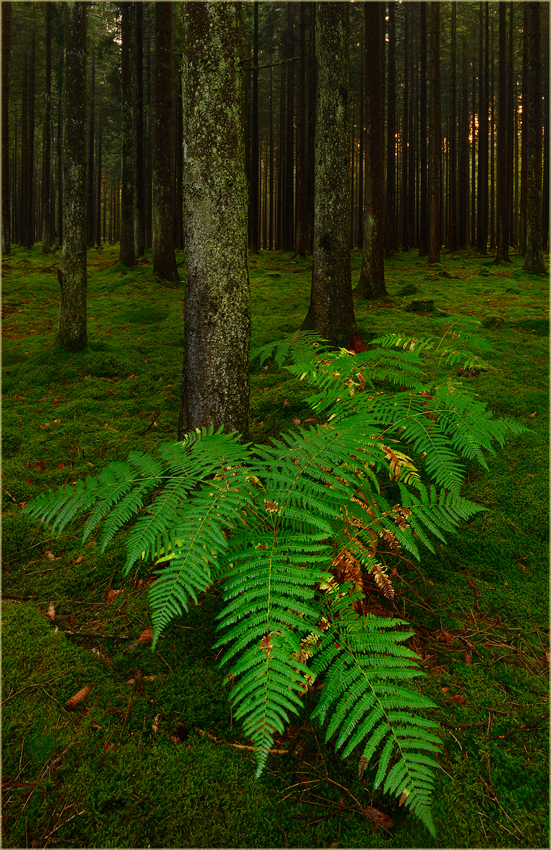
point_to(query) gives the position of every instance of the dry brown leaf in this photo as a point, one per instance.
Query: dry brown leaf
(80, 559)
(77, 698)
(146, 636)
(51, 611)
(457, 699)
(403, 797)
(467, 657)
(51, 556)
(113, 594)
(378, 817)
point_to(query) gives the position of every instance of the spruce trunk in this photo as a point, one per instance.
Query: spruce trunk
(215, 382)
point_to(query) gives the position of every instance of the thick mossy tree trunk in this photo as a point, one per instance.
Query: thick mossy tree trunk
(72, 333)
(164, 257)
(331, 311)
(128, 171)
(533, 261)
(215, 381)
(6, 54)
(372, 277)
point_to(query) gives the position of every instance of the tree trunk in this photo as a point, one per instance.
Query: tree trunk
(98, 185)
(72, 333)
(331, 311)
(483, 209)
(164, 258)
(29, 162)
(361, 140)
(390, 211)
(301, 233)
(502, 254)
(6, 55)
(255, 171)
(90, 217)
(47, 139)
(127, 253)
(434, 137)
(139, 188)
(533, 261)
(311, 124)
(404, 134)
(452, 218)
(423, 200)
(372, 276)
(289, 221)
(215, 381)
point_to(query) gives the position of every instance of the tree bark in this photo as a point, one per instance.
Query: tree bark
(72, 331)
(502, 253)
(255, 171)
(533, 261)
(139, 188)
(483, 208)
(390, 208)
(215, 381)
(372, 276)
(164, 257)
(423, 200)
(301, 232)
(6, 55)
(405, 135)
(127, 253)
(90, 217)
(331, 311)
(435, 129)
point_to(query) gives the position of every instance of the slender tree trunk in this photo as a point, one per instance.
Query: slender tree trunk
(404, 134)
(90, 217)
(289, 222)
(452, 236)
(372, 276)
(510, 123)
(255, 170)
(390, 209)
(215, 383)
(331, 311)
(59, 241)
(98, 184)
(271, 166)
(311, 124)
(492, 149)
(164, 258)
(361, 151)
(533, 261)
(127, 253)
(6, 55)
(301, 234)
(423, 201)
(29, 181)
(72, 332)
(482, 240)
(502, 255)
(434, 137)
(139, 188)
(46, 136)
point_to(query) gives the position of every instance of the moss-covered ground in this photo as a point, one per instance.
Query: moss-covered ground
(151, 757)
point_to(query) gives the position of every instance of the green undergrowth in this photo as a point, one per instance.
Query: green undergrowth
(152, 756)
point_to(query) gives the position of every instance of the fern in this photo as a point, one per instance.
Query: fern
(293, 529)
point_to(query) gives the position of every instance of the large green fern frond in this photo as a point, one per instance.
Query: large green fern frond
(367, 702)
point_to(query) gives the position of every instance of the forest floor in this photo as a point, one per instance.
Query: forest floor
(152, 756)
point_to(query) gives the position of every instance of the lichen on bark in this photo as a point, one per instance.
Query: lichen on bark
(72, 329)
(215, 382)
(331, 311)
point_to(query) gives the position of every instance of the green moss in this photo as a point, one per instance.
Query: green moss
(59, 425)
